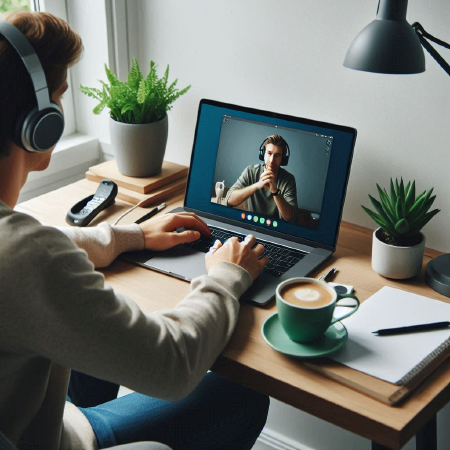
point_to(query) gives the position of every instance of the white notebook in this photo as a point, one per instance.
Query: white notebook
(399, 358)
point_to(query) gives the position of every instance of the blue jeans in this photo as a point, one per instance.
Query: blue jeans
(218, 414)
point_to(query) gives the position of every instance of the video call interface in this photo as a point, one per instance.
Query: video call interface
(271, 174)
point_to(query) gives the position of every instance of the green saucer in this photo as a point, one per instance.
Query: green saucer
(333, 339)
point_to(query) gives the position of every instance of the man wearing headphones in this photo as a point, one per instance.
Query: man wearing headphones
(270, 190)
(57, 314)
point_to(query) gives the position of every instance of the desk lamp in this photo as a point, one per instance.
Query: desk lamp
(389, 44)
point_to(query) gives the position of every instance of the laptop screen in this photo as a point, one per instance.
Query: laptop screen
(270, 172)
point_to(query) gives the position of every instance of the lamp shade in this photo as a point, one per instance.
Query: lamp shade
(388, 44)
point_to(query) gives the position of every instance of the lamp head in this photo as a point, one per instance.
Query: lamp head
(388, 44)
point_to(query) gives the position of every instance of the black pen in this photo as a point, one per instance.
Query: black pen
(412, 328)
(328, 275)
(151, 213)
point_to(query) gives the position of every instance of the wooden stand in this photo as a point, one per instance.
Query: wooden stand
(147, 190)
(169, 173)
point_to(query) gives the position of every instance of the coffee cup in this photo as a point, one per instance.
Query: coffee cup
(305, 308)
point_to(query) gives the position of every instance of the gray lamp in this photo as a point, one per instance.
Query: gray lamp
(388, 44)
(391, 45)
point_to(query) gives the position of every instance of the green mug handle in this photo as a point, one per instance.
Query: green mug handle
(341, 296)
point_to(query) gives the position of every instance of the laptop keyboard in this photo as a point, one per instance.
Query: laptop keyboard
(281, 258)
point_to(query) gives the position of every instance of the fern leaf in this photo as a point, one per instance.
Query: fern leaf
(141, 93)
(135, 75)
(113, 81)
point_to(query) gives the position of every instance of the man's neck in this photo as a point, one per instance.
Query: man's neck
(13, 175)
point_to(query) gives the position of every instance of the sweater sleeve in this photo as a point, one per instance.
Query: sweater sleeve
(104, 243)
(75, 320)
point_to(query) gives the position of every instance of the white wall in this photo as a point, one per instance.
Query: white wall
(287, 56)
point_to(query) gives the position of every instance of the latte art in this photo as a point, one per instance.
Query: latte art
(306, 295)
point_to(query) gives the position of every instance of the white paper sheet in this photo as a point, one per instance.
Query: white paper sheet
(392, 357)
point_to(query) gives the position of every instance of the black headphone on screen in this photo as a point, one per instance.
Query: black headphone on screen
(286, 153)
(39, 128)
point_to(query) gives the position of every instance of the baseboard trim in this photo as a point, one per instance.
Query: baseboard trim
(277, 441)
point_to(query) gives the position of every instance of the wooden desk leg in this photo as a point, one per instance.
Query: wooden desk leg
(426, 438)
(376, 446)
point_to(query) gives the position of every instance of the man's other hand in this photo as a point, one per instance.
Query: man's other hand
(159, 232)
(244, 254)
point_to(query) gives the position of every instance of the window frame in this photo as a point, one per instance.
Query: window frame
(75, 152)
(58, 8)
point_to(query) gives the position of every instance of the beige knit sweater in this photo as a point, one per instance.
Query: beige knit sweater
(56, 313)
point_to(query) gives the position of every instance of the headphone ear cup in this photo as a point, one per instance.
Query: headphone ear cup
(19, 126)
(285, 160)
(262, 150)
(39, 131)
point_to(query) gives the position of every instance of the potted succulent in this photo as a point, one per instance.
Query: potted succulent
(138, 117)
(398, 245)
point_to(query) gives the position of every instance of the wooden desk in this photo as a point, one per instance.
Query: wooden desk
(250, 361)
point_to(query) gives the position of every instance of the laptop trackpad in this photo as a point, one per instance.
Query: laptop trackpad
(180, 261)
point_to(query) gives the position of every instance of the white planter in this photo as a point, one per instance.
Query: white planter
(396, 262)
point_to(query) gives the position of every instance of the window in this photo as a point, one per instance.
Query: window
(11, 5)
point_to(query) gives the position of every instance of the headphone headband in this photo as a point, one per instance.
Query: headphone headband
(30, 60)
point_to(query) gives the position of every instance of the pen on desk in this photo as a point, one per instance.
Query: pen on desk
(328, 275)
(412, 328)
(151, 213)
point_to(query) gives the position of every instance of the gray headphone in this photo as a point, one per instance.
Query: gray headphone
(38, 129)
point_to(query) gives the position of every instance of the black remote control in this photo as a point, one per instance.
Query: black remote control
(83, 212)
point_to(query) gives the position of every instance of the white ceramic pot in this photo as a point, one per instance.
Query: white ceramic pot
(396, 262)
(139, 148)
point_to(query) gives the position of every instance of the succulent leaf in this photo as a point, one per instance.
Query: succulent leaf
(375, 217)
(410, 195)
(402, 188)
(384, 199)
(381, 212)
(402, 226)
(393, 193)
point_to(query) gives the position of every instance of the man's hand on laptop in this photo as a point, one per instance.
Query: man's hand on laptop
(244, 253)
(159, 232)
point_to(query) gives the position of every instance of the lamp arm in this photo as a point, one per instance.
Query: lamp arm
(422, 34)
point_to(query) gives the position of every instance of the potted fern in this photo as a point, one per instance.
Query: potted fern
(398, 245)
(138, 117)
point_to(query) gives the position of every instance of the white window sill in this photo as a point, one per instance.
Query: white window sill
(70, 160)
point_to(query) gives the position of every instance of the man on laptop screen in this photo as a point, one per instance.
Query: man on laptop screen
(289, 182)
(269, 189)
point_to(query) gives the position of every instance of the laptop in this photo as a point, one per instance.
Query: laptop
(229, 151)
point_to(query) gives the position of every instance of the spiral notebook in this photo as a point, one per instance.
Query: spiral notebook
(397, 359)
